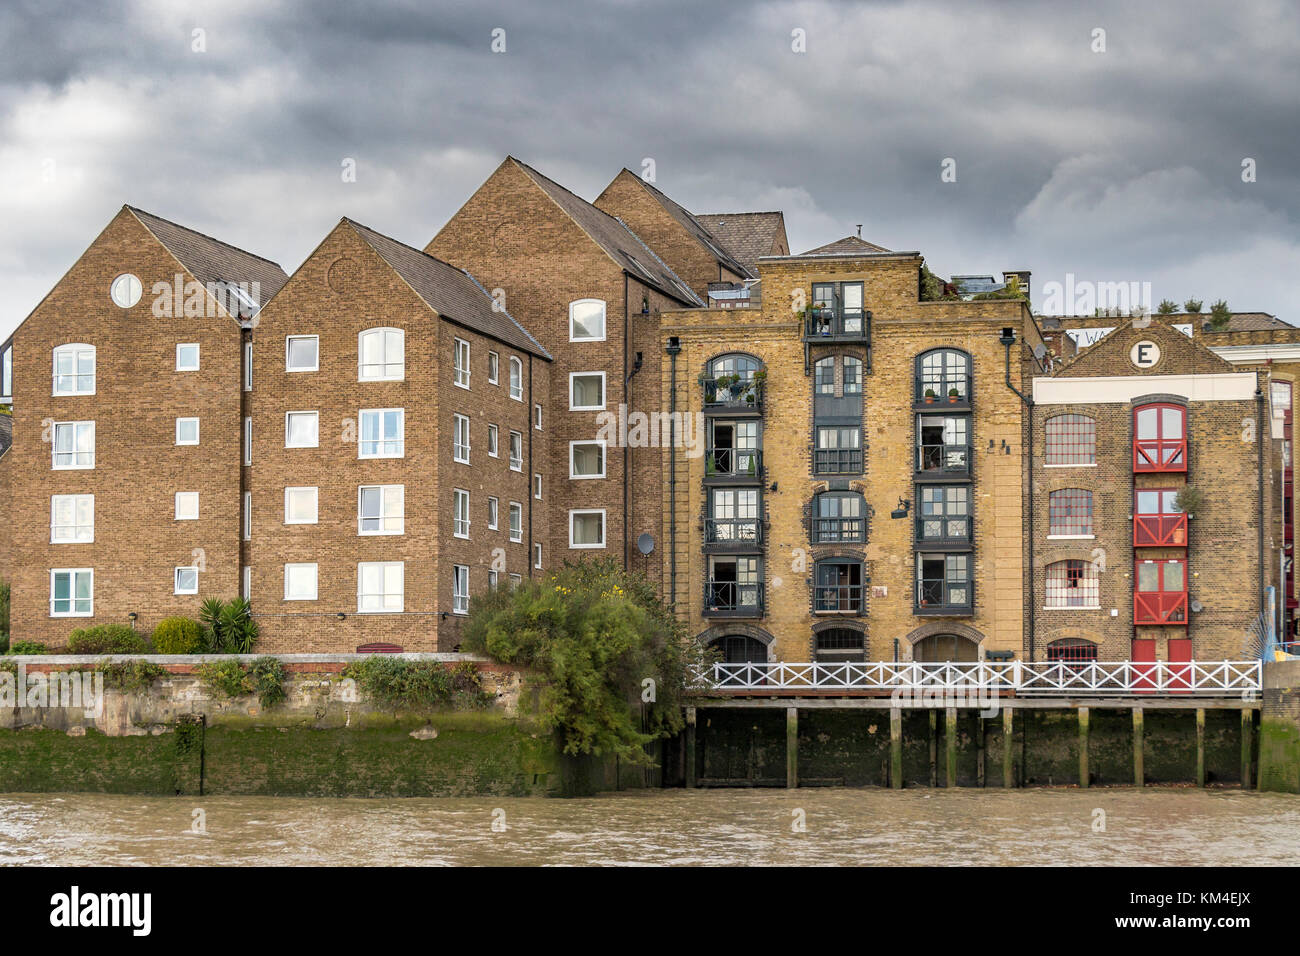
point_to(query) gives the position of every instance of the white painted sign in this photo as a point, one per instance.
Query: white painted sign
(1144, 354)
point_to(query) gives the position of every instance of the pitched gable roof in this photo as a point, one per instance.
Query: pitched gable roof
(211, 260)
(848, 246)
(697, 230)
(613, 236)
(747, 235)
(1109, 354)
(453, 293)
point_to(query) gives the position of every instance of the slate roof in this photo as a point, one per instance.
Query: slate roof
(699, 232)
(1248, 322)
(618, 241)
(848, 246)
(453, 293)
(211, 260)
(747, 235)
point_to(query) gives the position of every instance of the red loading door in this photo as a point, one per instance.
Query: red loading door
(1144, 652)
(1180, 653)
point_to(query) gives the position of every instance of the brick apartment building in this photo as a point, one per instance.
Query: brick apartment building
(856, 473)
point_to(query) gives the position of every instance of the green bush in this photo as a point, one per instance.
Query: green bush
(267, 676)
(27, 647)
(107, 639)
(178, 635)
(230, 626)
(130, 675)
(226, 678)
(398, 683)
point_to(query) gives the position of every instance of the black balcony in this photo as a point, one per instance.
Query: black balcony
(839, 530)
(936, 392)
(834, 323)
(728, 393)
(943, 529)
(837, 461)
(943, 460)
(733, 465)
(724, 534)
(733, 599)
(945, 597)
(839, 598)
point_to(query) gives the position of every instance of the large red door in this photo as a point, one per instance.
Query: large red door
(1144, 652)
(1180, 677)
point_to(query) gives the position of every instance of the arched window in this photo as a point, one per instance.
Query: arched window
(852, 375)
(1072, 650)
(824, 376)
(840, 640)
(742, 366)
(74, 369)
(945, 648)
(1071, 440)
(1069, 513)
(1073, 583)
(740, 649)
(943, 375)
(516, 379)
(731, 380)
(587, 320)
(382, 355)
(1160, 438)
(839, 516)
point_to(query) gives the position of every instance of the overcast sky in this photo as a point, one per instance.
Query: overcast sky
(1122, 165)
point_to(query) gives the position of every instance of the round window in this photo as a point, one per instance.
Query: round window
(125, 290)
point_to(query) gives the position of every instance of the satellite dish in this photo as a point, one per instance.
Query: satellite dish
(645, 544)
(1040, 351)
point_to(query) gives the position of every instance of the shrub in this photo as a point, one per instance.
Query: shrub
(178, 635)
(1167, 307)
(27, 647)
(1193, 305)
(266, 676)
(107, 639)
(226, 678)
(230, 626)
(130, 675)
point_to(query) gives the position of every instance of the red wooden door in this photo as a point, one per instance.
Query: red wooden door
(1144, 652)
(1180, 677)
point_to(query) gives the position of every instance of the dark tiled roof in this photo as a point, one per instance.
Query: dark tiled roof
(747, 235)
(211, 260)
(848, 246)
(6, 433)
(453, 293)
(1247, 322)
(620, 242)
(699, 232)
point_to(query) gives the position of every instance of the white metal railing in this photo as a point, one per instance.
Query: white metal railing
(1018, 678)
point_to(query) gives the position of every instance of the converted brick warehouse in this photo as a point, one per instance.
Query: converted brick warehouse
(881, 473)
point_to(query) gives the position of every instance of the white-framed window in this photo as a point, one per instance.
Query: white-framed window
(248, 366)
(187, 357)
(74, 445)
(185, 581)
(302, 353)
(381, 355)
(587, 459)
(494, 368)
(187, 506)
(516, 379)
(383, 433)
(301, 505)
(460, 439)
(380, 587)
(246, 586)
(587, 528)
(537, 555)
(494, 507)
(587, 320)
(187, 431)
(460, 513)
(493, 579)
(125, 290)
(460, 589)
(537, 417)
(72, 519)
(460, 363)
(586, 391)
(381, 509)
(72, 592)
(74, 369)
(516, 451)
(248, 516)
(537, 486)
(300, 582)
(302, 429)
(248, 439)
(494, 450)
(516, 580)
(516, 521)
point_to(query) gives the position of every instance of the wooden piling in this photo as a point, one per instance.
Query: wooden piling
(896, 748)
(792, 747)
(1083, 747)
(1139, 775)
(950, 741)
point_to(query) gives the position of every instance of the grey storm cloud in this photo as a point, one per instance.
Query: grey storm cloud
(1115, 165)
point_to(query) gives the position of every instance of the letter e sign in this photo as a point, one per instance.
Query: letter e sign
(1144, 354)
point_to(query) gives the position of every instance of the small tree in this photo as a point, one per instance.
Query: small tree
(229, 626)
(1167, 307)
(1220, 316)
(1193, 305)
(604, 647)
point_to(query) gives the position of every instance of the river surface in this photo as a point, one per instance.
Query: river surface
(1167, 827)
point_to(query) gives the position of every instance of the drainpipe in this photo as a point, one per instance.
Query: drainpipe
(1259, 431)
(1008, 338)
(673, 349)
